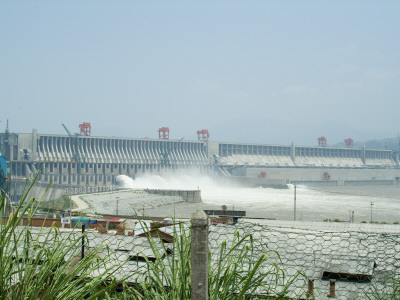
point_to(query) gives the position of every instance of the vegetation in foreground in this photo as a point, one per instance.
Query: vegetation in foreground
(62, 203)
(49, 266)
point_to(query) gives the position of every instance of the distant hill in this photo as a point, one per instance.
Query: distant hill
(389, 143)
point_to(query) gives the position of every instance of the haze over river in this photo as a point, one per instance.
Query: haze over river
(312, 203)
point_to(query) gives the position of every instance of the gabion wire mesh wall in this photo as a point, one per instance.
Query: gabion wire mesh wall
(326, 260)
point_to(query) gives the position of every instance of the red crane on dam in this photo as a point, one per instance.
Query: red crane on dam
(322, 141)
(349, 143)
(203, 134)
(163, 133)
(86, 128)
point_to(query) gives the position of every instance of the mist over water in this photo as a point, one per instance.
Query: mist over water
(178, 181)
(311, 204)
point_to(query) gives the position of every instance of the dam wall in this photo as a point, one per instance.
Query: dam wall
(87, 161)
(90, 149)
(230, 154)
(83, 162)
(340, 176)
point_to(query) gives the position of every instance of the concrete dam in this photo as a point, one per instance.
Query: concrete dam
(89, 161)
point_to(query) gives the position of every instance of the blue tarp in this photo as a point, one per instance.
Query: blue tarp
(3, 172)
(81, 221)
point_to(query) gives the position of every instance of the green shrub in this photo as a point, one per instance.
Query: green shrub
(62, 203)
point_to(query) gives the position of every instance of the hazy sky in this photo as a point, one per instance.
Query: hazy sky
(248, 71)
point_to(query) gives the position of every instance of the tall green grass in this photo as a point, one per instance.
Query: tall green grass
(237, 271)
(45, 263)
(243, 268)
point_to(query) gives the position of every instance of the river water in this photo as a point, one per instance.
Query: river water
(312, 203)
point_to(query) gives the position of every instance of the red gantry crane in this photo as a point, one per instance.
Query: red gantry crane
(322, 141)
(86, 129)
(349, 143)
(163, 133)
(203, 134)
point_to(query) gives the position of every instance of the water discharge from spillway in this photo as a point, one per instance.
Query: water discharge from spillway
(311, 204)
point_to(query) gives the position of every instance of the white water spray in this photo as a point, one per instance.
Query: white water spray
(268, 202)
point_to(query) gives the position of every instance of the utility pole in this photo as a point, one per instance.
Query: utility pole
(372, 204)
(117, 205)
(294, 212)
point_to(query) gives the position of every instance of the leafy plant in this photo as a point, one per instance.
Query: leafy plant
(244, 269)
(45, 263)
(168, 277)
(237, 271)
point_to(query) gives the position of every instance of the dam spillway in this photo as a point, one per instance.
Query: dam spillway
(96, 161)
(120, 150)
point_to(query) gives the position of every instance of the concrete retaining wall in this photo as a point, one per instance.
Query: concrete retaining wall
(40, 193)
(192, 196)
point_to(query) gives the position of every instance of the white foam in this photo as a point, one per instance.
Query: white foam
(183, 182)
(278, 203)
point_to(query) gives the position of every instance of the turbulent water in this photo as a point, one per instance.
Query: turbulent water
(311, 204)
